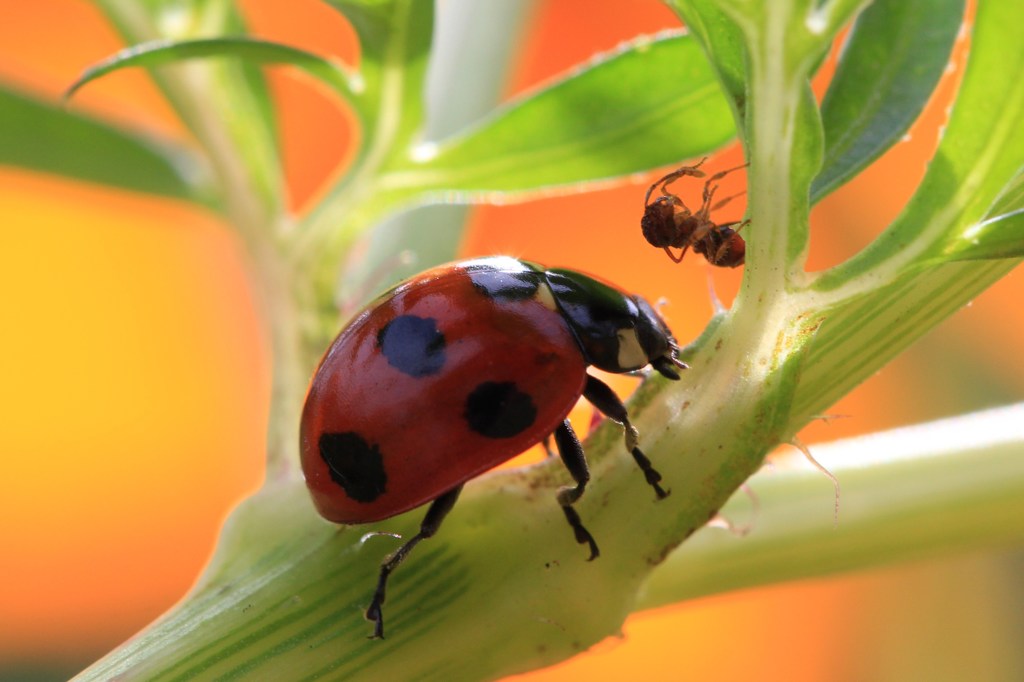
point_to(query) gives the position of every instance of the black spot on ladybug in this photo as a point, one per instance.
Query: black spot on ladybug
(499, 410)
(505, 286)
(413, 345)
(355, 465)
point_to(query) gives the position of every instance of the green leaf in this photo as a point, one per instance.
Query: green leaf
(372, 21)
(723, 42)
(875, 327)
(37, 135)
(999, 236)
(395, 38)
(651, 103)
(224, 103)
(891, 63)
(474, 45)
(980, 155)
(252, 90)
(159, 52)
(903, 284)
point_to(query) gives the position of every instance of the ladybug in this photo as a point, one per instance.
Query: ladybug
(459, 369)
(667, 222)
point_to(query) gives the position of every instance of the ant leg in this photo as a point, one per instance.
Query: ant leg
(692, 171)
(720, 253)
(741, 224)
(709, 191)
(604, 399)
(439, 509)
(723, 240)
(726, 200)
(667, 180)
(571, 450)
(705, 207)
(721, 174)
(674, 259)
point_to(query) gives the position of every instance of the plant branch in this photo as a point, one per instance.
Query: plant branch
(918, 492)
(285, 593)
(246, 167)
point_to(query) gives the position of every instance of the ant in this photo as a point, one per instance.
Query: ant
(667, 222)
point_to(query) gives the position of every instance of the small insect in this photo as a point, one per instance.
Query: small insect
(668, 223)
(459, 369)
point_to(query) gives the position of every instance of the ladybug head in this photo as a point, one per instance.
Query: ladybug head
(616, 332)
(656, 340)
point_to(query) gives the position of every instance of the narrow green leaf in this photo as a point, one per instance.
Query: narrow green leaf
(652, 103)
(979, 157)
(224, 103)
(254, 92)
(40, 136)
(372, 21)
(394, 39)
(871, 330)
(474, 45)
(723, 42)
(397, 37)
(409, 55)
(1001, 235)
(159, 52)
(891, 63)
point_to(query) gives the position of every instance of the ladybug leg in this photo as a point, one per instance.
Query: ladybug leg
(548, 452)
(603, 398)
(439, 509)
(572, 454)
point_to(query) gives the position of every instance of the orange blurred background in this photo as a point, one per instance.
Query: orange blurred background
(135, 383)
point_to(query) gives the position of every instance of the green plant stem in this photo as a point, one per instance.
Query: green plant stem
(285, 593)
(252, 202)
(913, 493)
(467, 31)
(243, 161)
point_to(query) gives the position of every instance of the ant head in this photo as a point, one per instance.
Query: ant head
(658, 223)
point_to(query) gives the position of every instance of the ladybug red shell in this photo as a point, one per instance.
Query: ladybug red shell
(447, 376)
(461, 368)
